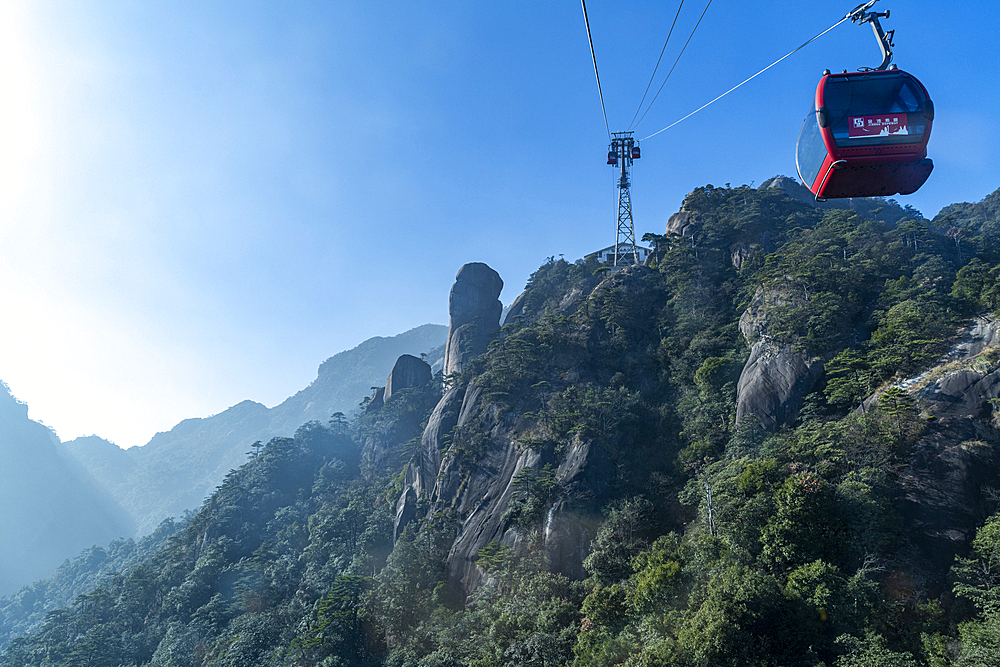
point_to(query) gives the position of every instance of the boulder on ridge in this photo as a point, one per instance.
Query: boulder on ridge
(408, 372)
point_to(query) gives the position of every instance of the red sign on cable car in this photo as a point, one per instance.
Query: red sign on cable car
(877, 126)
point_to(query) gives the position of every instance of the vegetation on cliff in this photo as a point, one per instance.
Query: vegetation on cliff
(717, 543)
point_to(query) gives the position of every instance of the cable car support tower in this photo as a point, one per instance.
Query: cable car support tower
(621, 153)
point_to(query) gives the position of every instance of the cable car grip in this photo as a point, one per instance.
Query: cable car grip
(860, 15)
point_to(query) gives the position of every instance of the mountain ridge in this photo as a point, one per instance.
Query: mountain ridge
(176, 469)
(52, 508)
(581, 492)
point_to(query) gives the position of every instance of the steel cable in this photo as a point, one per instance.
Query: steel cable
(596, 74)
(657, 66)
(675, 63)
(750, 78)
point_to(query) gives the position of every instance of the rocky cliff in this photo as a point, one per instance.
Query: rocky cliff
(492, 451)
(408, 372)
(777, 376)
(477, 454)
(954, 465)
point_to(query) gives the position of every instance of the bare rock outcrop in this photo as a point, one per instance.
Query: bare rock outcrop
(965, 393)
(386, 444)
(406, 511)
(479, 494)
(516, 309)
(941, 487)
(421, 472)
(475, 311)
(472, 451)
(777, 377)
(681, 223)
(482, 497)
(376, 402)
(407, 373)
(982, 332)
(965, 381)
(585, 470)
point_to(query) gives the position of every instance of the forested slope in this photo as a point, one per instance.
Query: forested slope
(594, 500)
(25, 611)
(177, 469)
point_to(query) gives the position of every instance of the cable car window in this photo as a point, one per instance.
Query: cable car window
(875, 110)
(810, 150)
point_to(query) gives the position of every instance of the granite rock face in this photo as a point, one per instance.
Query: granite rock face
(941, 486)
(473, 449)
(516, 309)
(964, 394)
(482, 497)
(406, 511)
(440, 425)
(982, 332)
(681, 223)
(376, 402)
(475, 311)
(776, 378)
(967, 379)
(407, 373)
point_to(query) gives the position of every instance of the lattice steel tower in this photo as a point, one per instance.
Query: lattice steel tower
(624, 150)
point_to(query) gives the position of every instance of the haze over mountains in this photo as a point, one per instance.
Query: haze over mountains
(51, 507)
(59, 498)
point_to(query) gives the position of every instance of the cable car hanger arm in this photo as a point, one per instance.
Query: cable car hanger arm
(860, 14)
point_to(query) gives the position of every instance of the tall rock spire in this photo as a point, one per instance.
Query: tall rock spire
(475, 310)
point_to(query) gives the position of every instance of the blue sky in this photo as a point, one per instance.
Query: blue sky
(201, 201)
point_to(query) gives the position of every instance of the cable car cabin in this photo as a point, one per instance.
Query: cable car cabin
(867, 136)
(613, 157)
(635, 152)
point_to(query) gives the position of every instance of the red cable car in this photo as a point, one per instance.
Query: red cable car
(635, 153)
(867, 137)
(613, 157)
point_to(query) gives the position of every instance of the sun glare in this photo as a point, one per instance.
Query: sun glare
(23, 114)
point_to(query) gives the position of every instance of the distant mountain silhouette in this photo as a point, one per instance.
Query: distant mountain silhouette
(51, 507)
(177, 469)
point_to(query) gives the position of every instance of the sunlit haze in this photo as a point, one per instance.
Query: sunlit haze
(200, 202)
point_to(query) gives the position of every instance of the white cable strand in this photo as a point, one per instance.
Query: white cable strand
(657, 66)
(660, 89)
(749, 79)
